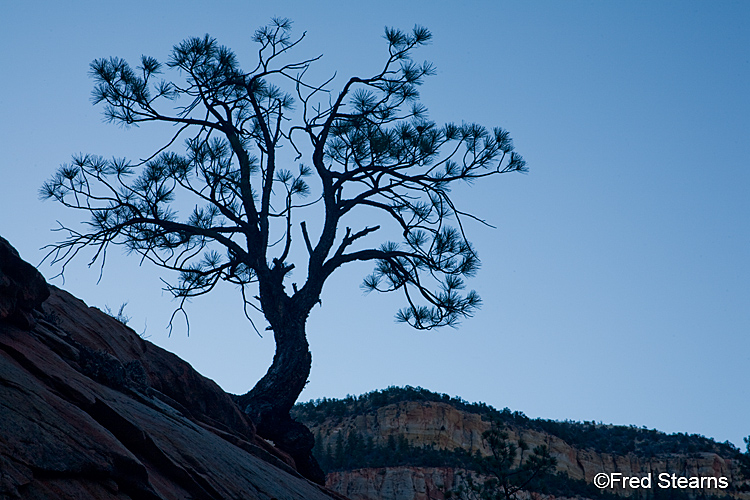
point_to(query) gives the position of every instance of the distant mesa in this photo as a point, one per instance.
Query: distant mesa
(414, 444)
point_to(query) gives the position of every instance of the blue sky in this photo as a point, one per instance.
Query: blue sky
(615, 286)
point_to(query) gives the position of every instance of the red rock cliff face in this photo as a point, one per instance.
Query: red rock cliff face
(90, 410)
(442, 426)
(394, 483)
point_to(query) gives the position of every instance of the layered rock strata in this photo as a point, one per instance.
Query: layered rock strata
(442, 426)
(88, 409)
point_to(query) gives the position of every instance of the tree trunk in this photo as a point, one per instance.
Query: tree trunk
(268, 404)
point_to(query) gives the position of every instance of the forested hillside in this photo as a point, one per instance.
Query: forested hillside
(421, 432)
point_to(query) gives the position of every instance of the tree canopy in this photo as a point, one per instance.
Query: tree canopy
(267, 171)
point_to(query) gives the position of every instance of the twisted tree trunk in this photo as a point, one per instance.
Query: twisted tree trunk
(268, 404)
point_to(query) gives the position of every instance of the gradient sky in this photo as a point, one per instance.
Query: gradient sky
(616, 285)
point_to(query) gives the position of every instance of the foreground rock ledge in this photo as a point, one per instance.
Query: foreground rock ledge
(90, 410)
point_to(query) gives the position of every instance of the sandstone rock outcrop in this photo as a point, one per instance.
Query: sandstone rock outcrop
(444, 427)
(394, 483)
(88, 409)
(22, 288)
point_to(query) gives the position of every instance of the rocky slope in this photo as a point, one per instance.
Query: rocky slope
(90, 410)
(406, 427)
